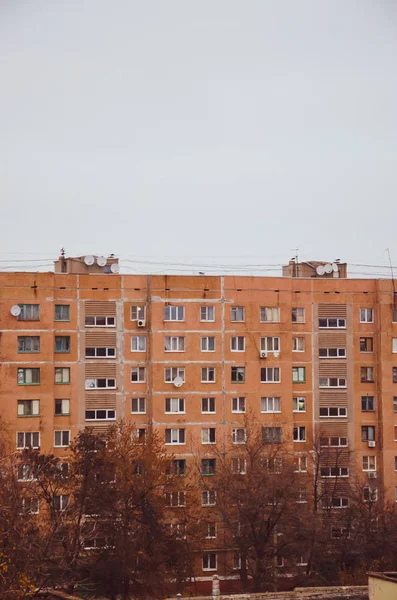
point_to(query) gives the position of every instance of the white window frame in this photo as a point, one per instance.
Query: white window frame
(175, 406)
(240, 374)
(239, 404)
(236, 561)
(339, 502)
(109, 321)
(301, 464)
(394, 345)
(239, 435)
(238, 466)
(65, 407)
(108, 417)
(212, 565)
(138, 343)
(330, 474)
(138, 312)
(296, 343)
(369, 374)
(176, 434)
(325, 382)
(140, 405)
(299, 314)
(204, 314)
(329, 444)
(206, 374)
(297, 373)
(208, 400)
(271, 404)
(176, 312)
(34, 503)
(180, 372)
(63, 503)
(329, 324)
(180, 496)
(366, 315)
(109, 352)
(64, 370)
(91, 383)
(269, 314)
(270, 344)
(369, 463)
(174, 343)
(25, 473)
(206, 342)
(297, 403)
(237, 343)
(237, 311)
(208, 435)
(62, 433)
(274, 372)
(341, 412)
(339, 353)
(140, 374)
(26, 444)
(208, 498)
(35, 408)
(299, 434)
(211, 530)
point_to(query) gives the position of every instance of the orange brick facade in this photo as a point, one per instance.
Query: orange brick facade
(103, 315)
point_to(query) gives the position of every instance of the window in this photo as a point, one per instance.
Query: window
(177, 467)
(208, 466)
(61, 439)
(239, 466)
(237, 313)
(62, 375)
(237, 343)
(139, 435)
(367, 374)
(334, 472)
(25, 473)
(338, 533)
(62, 407)
(366, 344)
(100, 414)
(100, 321)
(207, 405)
(207, 313)
(369, 463)
(332, 382)
(270, 314)
(299, 404)
(236, 561)
(138, 343)
(102, 383)
(339, 502)
(29, 343)
(238, 405)
(238, 374)
(271, 404)
(100, 352)
(298, 374)
(333, 442)
(239, 435)
(210, 530)
(301, 496)
(95, 543)
(394, 345)
(366, 315)
(171, 373)
(208, 498)
(271, 435)
(209, 561)
(208, 435)
(333, 411)
(298, 315)
(270, 375)
(138, 312)
(299, 434)
(207, 374)
(270, 344)
(138, 405)
(28, 439)
(28, 408)
(395, 433)
(370, 494)
(395, 463)
(29, 312)
(394, 403)
(174, 313)
(394, 374)
(176, 499)
(62, 343)
(332, 352)
(174, 344)
(138, 374)
(332, 323)
(174, 436)
(208, 344)
(30, 506)
(368, 433)
(62, 312)
(298, 344)
(367, 403)
(61, 502)
(28, 376)
(300, 464)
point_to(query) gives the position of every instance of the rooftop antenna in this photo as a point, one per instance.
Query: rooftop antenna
(296, 267)
(392, 277)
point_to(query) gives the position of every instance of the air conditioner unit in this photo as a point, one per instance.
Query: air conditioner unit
(262, 353)
(372, 475)
(371, 444)
(141, 322)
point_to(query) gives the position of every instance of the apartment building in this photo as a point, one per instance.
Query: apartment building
(311, 354)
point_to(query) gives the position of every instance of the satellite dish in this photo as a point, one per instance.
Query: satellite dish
(15, 310)
(89, 260)
(335, 267)
(320, 270)
(328, 268)
(101, 260)
(276, 354)
(115, 268)
(178, 382)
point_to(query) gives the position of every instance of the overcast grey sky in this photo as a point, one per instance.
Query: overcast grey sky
(199, 128)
